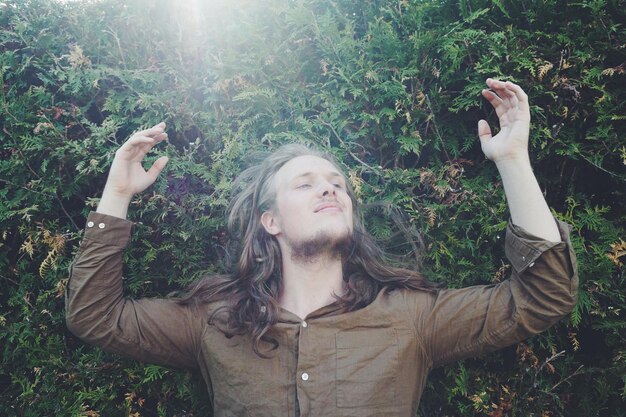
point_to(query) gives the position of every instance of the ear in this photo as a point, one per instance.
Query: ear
(269, 222)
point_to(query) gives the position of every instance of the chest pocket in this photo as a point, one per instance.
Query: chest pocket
(367, 364)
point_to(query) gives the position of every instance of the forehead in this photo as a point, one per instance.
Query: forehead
(305, 165)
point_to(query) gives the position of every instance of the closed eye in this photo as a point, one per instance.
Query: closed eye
(306, 185)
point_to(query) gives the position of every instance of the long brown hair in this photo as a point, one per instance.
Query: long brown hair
(250, 292)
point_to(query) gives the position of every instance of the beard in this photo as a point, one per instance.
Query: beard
(323, 244)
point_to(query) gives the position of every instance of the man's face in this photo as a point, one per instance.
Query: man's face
(313, 211)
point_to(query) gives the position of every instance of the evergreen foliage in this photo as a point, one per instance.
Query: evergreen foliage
(391, 87)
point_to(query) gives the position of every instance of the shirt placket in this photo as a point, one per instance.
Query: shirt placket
(306, 376)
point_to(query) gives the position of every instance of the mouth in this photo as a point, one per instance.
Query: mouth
(328, 208)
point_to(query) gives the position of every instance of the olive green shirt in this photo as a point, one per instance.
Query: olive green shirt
(370, 362)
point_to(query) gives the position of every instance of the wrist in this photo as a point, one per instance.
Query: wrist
(114, 204)
(516, 162)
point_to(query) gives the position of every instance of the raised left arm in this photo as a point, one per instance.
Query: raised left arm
(509, 150)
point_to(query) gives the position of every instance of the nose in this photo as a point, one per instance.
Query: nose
(328, 189)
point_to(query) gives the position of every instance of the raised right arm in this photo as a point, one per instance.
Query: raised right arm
(152, 330)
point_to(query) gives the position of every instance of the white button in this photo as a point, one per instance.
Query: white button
(304, 324)
(89, 224)
(531, 265)
(305, 376)
(523, 258)
(101, 225)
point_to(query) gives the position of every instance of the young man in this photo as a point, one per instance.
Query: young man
(311, 322)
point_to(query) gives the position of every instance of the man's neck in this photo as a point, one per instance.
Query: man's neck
(310, 285)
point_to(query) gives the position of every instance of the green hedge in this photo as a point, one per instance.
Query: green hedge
(390, 87)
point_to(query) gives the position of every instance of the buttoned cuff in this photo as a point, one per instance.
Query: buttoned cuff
(107, 229)
(522, 248)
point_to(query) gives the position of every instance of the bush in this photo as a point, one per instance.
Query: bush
(391, 88)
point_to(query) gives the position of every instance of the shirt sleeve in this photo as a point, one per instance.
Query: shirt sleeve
(457, 323)
(159, 331)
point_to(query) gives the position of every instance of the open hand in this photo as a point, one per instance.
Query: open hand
(127, 175)
(511, 105)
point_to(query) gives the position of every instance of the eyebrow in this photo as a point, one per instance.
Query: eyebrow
(309, 174)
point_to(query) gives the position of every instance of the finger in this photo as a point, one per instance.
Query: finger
(484, 131)
(496, 101)
(147, 140)
(519, 93)
(160, 137)
(154, 130)
(496, 85)
(504, 107)
(502, 89)
(139, 141)
(135, 147)
(157, 167)
(492, 97)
